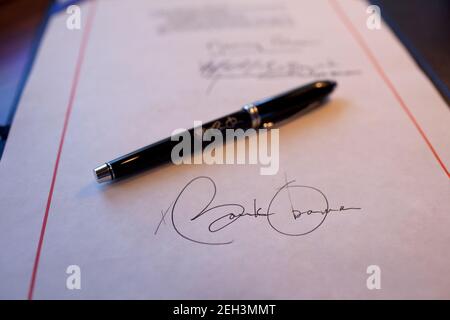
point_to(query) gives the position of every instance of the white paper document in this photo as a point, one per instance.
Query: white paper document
(366, 173)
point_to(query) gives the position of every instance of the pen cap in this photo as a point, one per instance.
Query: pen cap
(284, 105)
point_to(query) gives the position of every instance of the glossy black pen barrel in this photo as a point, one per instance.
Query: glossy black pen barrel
(160, 152)
(261, 114)
(282, 106)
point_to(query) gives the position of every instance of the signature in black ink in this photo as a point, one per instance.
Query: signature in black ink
(288, 221)
(258, 68)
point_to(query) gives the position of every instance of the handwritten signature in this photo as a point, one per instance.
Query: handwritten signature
(257, 68)
(290, 221)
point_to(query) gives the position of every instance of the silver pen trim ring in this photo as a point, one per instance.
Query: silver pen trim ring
(252, 110)
(111, 171)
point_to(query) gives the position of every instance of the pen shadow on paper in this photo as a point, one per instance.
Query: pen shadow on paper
(337, 109)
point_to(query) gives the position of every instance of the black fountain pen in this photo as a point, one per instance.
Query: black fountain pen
(261, 114)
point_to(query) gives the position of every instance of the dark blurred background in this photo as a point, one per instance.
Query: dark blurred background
(422, 25)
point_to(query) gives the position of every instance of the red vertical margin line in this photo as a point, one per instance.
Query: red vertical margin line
(360, 40)
(73, 91)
